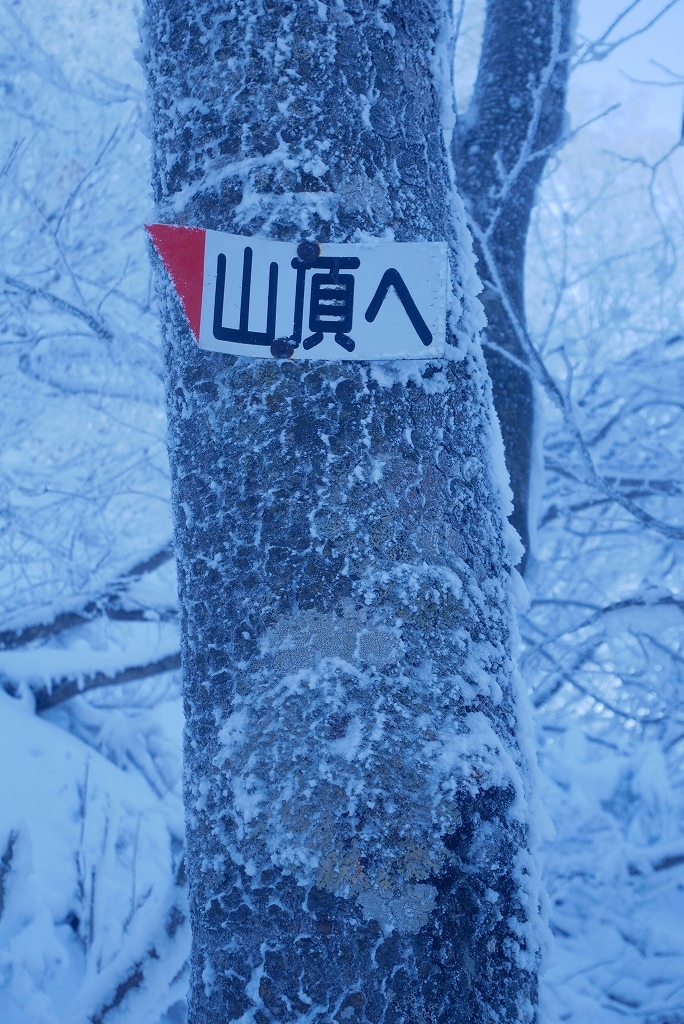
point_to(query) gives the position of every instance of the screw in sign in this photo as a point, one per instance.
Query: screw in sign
(258, 297)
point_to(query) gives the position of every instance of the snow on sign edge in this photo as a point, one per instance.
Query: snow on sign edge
(398, 291)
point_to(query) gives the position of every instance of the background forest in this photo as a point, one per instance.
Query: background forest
(92, 913)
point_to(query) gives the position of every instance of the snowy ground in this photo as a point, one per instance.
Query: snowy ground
(92, 913)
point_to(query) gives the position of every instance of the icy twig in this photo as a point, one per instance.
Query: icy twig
(107, 605)
(537, 368)
(64, 689)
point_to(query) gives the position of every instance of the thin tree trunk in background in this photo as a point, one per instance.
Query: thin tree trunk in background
(354, 783)
(501, 146)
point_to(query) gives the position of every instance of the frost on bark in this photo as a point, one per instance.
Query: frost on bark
(501, 146)
(355, 787)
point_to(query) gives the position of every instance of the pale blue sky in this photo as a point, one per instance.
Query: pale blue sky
(605, 82)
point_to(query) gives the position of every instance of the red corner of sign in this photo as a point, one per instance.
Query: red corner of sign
(181, 250)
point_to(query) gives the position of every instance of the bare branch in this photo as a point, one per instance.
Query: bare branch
(11, 156)
(5, 867)
(671, 861)
(95, 325)
(543, 694)
(567, 677)
(74, 192)
(677, 82)
(602, 47)
(633, 602)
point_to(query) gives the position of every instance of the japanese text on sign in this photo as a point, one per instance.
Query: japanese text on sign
(337, 301)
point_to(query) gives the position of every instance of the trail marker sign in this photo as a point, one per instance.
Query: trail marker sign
(257, 297)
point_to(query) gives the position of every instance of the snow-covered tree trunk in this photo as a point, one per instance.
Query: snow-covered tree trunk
(358, 834)
(501, 146)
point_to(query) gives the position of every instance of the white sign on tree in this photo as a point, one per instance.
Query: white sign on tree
(258, 297)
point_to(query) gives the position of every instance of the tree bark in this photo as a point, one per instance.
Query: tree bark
(501, 147)
(358, 835)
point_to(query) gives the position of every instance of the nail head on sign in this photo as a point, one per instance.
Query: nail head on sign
(282, 348)
(308, 252)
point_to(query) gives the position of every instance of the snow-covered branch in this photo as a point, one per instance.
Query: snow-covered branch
(64, 689)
